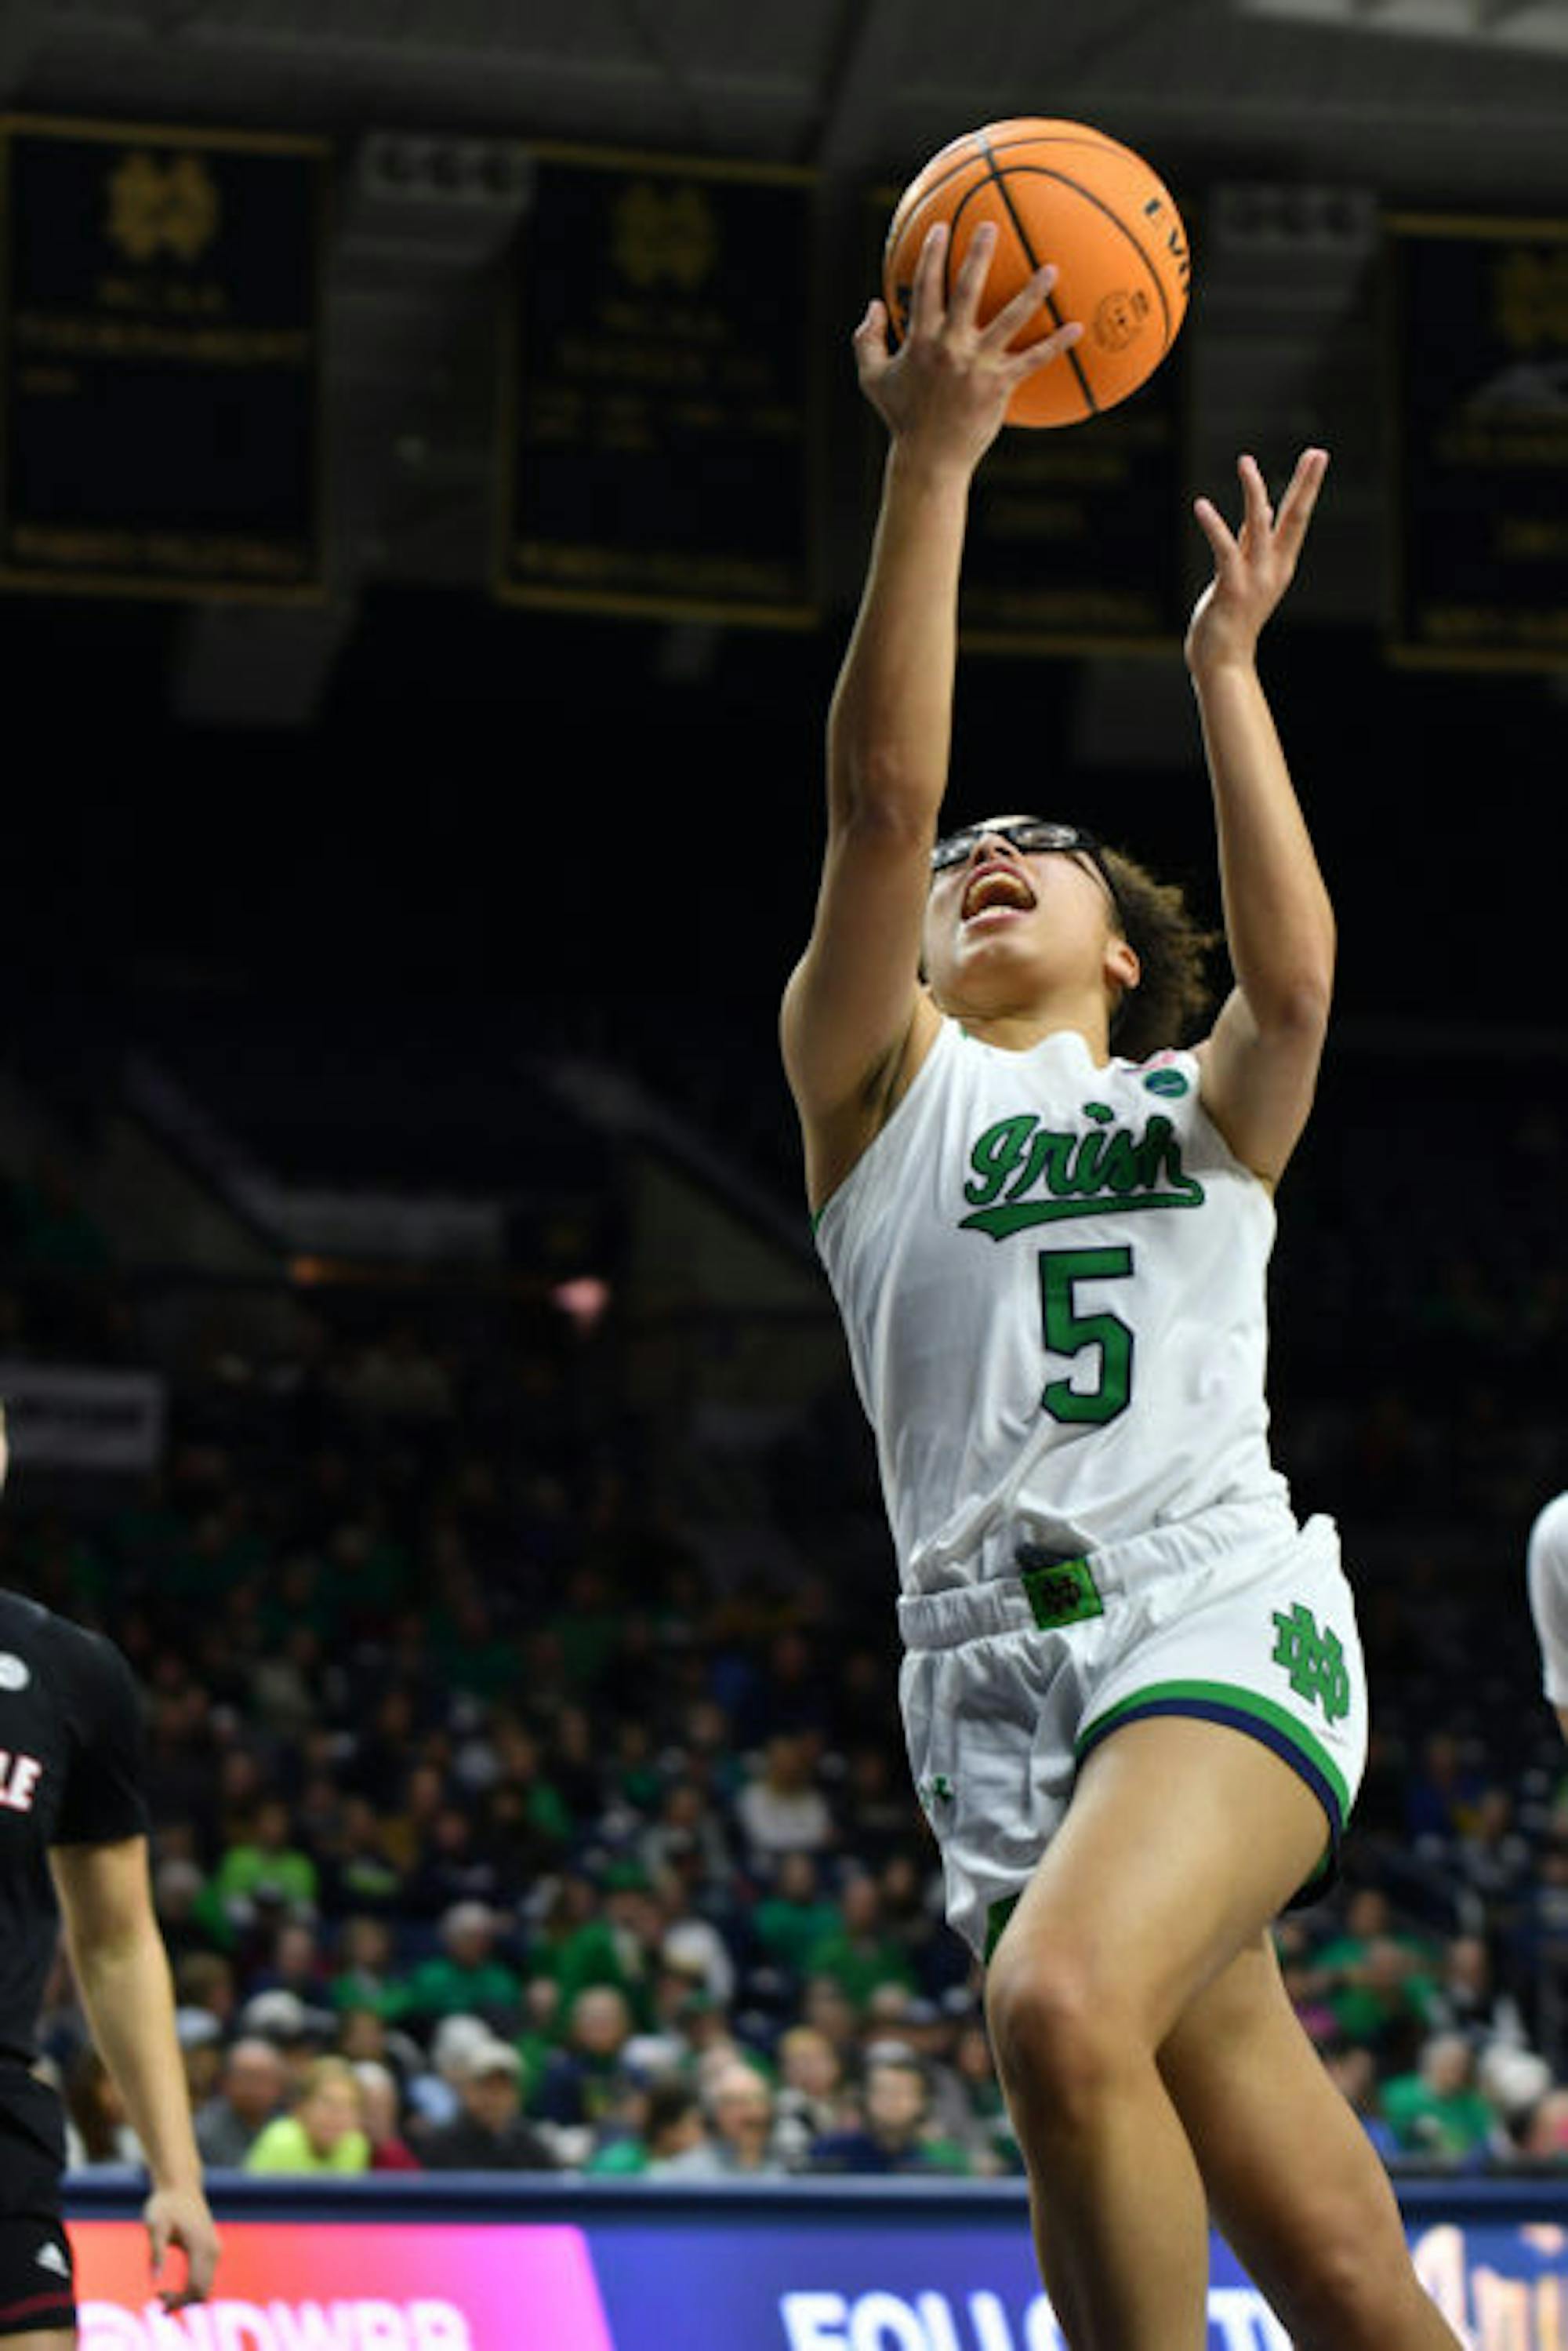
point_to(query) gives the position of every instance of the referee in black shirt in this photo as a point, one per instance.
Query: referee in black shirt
(73, 1840)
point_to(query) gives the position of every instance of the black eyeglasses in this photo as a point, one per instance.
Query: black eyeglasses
(1029, 835)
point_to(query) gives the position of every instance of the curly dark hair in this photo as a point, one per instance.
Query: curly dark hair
(1168, 1005)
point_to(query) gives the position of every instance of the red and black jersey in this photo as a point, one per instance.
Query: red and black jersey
(70, 1774)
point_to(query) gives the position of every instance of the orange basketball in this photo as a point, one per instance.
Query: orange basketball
(1057, 191)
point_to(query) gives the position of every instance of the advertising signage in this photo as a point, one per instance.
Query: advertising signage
(813, 2267)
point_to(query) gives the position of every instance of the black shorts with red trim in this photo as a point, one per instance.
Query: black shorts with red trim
(38, 2283)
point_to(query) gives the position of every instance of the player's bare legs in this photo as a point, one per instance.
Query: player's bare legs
(1184, 1840)
(1296, 2186)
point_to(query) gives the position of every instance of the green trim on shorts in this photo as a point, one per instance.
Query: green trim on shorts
(1235, 1699)
(996, 1917)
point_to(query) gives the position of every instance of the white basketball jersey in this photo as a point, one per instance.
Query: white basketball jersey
(1052, 1281)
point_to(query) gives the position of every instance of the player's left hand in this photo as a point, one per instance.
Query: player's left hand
(179, 2217)
(1254, 566)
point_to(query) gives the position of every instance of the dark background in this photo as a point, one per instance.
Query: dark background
(516, 802)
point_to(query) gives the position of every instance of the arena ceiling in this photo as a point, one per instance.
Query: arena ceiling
(1299, 118)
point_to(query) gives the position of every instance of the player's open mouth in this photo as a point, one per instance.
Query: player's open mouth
(996, 889)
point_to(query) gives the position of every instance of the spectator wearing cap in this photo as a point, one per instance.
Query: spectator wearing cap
(324, 2130)
(467, 1978)
(490, 2132)
(249, 2094)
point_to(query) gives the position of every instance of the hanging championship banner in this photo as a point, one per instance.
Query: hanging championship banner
(160, 360)
(1477, 354)
(1075, 534)
(656, 415)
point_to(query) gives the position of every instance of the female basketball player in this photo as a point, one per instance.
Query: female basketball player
(1132, 1686)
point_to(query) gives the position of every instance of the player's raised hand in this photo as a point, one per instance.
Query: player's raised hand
(1254, 565)
(946, 387)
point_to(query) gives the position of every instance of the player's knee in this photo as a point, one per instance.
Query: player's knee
(1061, 2040)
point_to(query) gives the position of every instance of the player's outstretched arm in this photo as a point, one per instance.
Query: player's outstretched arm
(1260, 1065)
(942, 395)
(123, 1971)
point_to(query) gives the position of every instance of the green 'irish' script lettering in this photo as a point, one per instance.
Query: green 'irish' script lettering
(1024, 1173)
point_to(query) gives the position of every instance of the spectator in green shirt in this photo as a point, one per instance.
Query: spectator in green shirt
(365, 1976)
(619, 1945)
(1379, 1983)
(264, 1867)
(467, 1979)
(1439, 2112)
(859, 1954)
(325, 2130)
(797, 1916)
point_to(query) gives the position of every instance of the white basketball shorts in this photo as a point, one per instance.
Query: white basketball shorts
(1237, 1617)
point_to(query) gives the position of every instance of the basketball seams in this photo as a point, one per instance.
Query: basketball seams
(998, 181)
(990, 176)
(1100, 206)
(978, 158)
(1055, 153)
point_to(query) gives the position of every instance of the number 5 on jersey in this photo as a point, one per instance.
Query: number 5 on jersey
(1069, 1333)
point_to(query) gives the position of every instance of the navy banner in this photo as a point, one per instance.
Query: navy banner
(657, 422)
(160, 360)
(1478, 356)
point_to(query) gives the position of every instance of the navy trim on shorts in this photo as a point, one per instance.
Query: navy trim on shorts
(1253, 1725)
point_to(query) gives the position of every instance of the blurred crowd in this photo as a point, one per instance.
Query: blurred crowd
(504, 1817)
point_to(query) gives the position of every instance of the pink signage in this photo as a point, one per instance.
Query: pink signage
(350, 2286)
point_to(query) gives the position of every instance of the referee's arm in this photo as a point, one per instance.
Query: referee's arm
(123, 1971)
